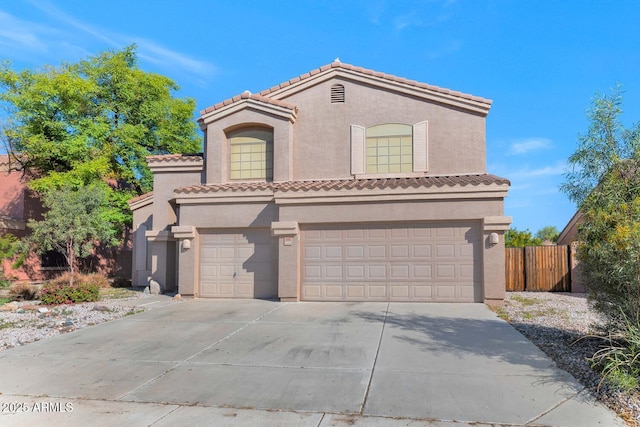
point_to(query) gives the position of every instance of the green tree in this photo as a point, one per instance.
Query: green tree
(550, 232)
(515, 238)
(604, 181)
(94, 121)
(75, 219)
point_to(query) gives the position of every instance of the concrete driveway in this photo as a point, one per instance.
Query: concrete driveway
(251, 362)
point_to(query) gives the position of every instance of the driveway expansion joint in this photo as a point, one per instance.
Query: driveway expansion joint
(556, 406)
(185, 361)
(375, 359)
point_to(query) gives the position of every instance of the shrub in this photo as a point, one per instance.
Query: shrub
(619, 360)
(93, 278)
(56, 292)
(5, 281)
(23, 291)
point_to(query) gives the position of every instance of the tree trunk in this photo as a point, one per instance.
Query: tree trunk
(71, 259)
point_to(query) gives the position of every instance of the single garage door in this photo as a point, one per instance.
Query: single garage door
(415, 262)
(237, 264)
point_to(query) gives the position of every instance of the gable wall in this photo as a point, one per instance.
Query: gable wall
(217, 150)
(321, 148)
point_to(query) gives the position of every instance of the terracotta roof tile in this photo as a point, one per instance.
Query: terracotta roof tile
(173, 157)
(140, 197)
(348, 184)
(264, 95)
(256, 97)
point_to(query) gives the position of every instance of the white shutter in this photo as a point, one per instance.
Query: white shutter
(420, 140)
(357, 150)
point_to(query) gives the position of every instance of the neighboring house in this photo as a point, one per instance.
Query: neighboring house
(569, 236)
(17, 205)
(342, 184)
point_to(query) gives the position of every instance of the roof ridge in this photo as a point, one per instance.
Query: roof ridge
(373, 73)
(248, 95)
(263, 95)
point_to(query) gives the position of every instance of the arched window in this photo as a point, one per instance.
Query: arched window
(251, 154)
(389, 148)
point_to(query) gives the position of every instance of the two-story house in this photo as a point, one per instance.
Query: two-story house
(342, 184)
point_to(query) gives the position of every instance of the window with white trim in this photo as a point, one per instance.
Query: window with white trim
(389, 149)
(251, 154)
(392, 149)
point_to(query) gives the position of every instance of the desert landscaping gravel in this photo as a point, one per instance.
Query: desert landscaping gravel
(563, 326)
(560, 324)
(27, 321)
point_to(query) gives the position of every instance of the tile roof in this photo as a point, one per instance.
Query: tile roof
(348, 184)
(140, 197)
(174, 157)
(373, 73)
(248, 95)
(264, 95)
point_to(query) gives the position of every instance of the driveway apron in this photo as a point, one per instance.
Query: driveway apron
(252, 362)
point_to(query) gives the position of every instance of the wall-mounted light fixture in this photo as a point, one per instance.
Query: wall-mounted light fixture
(494, 239)
(186, 244)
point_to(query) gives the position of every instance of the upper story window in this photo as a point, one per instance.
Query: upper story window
(251, 154)
(389, 149)
(337, 94)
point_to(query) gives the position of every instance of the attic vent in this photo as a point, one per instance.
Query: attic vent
(337, 94)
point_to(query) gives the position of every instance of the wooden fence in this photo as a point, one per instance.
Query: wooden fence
(538, 268)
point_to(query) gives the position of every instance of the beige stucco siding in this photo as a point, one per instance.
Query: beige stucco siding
(217, 147)
(323, 157)
(321, 149)
(227, 215)
(391, 211)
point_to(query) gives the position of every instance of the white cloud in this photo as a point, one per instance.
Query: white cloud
(58, 14)
(524, 146)
(164, 57)
(557, 169)
(20, 38)
(69, 30)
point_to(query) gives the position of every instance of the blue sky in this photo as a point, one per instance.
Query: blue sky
(541, 62)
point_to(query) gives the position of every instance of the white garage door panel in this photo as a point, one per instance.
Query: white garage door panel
(237, 264)
(425, 262)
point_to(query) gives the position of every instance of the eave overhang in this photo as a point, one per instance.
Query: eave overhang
(140, 201)
(257, 103)
(389, 82)
(175, 163)
(348, 190)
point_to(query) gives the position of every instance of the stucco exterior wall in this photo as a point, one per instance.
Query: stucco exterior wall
(312, 142)
(456, 139)
(162, 247)
(391, 211)
(163, 185)
(217, 147)
(141, 256)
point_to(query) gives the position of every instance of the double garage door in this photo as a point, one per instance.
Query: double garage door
(420, 262)
(385, 262)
